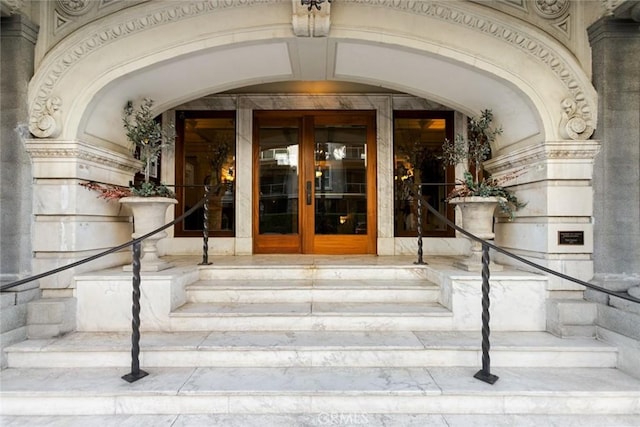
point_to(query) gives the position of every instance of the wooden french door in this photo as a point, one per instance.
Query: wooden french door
(314, 186)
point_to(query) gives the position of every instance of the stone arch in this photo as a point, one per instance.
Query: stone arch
(461, 54)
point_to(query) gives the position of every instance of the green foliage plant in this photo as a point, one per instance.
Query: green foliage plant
(471, 152)
(148, 138)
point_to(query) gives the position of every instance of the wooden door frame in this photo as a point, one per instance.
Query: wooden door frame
(306, 241)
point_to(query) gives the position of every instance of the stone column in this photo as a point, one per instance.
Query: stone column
(615, 45)
(615, 42)
(18, 37)
(18, 40)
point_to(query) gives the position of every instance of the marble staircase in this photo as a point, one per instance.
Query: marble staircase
(311, 342)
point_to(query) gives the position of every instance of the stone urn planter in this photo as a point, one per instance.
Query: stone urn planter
(148, 215)
(477, 218)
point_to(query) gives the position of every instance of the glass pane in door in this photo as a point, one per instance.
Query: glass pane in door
(278, 174)
(340, 179)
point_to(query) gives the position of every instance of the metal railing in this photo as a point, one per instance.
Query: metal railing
(136, 373)
(485, 373)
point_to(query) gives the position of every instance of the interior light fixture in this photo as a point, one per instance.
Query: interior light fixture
(313, 3)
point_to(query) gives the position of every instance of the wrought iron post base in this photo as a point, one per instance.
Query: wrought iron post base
(205, 263)
(486, 377)
(133, 377)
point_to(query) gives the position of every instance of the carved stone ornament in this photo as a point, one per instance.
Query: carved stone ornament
(551, 9)
(14, 6)
(74, 7)
(573, 125)
(45, 122)
(311, 22)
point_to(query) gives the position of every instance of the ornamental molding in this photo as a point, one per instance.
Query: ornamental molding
(544, 152)
(44, 121)
(52, 150)
(512, 35)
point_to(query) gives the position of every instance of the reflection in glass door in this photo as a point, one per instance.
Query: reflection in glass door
(340, 170)
(314, 186)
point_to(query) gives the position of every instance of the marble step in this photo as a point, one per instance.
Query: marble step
(273, 291)
(332, 316)
(323, 419)
(349, 269)
(320, 390)
(311, 349)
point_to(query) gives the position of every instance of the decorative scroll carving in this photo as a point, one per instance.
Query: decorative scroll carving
(311, 22)
(573, 125)
(45, 121)
(551, 9)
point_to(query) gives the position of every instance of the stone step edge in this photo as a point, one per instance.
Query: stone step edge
(276, 310)
(313, 284)
(339, 358)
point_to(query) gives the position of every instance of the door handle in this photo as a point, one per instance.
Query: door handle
(308, 192)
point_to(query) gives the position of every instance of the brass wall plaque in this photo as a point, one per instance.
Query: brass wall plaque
(570, 237)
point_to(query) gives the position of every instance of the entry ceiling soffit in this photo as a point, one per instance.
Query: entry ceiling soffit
(577, 108)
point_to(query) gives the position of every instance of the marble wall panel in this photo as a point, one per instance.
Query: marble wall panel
(79, 233)
(105, 304)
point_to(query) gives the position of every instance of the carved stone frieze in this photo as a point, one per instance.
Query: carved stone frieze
(551, 9)
(51, 150)
(550, 150)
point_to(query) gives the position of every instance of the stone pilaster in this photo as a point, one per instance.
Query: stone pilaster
(70, 222)
(555, 229)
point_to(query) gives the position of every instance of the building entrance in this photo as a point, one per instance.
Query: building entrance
(314, 182)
